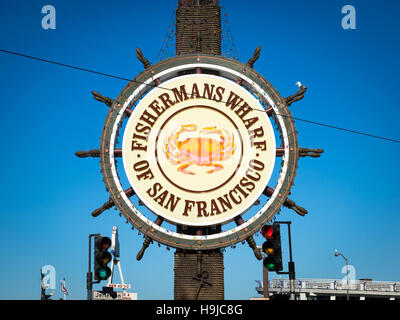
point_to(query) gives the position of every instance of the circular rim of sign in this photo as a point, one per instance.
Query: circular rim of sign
(229, 69)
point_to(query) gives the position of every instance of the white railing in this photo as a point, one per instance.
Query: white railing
(334, 284)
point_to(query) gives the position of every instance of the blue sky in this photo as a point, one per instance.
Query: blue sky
(48, 113)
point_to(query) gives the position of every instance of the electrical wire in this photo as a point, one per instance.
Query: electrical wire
(337, 128)
(125, 79)
(64, 65)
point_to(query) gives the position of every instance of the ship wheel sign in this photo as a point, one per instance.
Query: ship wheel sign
(200, 142)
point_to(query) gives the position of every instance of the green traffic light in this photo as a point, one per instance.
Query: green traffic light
(270, 266)
(103, 273)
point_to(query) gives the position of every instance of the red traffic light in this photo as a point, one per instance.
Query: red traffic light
(268, 232)
(103, 243)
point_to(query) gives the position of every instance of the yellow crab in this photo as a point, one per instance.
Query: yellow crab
(199, 150)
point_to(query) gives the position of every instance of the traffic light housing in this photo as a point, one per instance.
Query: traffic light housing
(272, 247)
(101, 258)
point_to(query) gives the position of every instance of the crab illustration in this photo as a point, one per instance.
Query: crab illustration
(200, 149)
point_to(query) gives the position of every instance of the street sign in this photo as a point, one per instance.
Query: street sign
(119, 286)
(98, 295)
(129, 296)
(118, 295)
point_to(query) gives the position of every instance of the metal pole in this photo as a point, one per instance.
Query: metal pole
(89, 278)
(291, 273)
(347, 278)
(290, 242)
(347, 271)
(265, 281)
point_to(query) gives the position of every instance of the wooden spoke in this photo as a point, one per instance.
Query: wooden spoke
(303, 152)
(314, 153)
(250, 240)
(290, 204)
(95, 153)
(297, 96)
(110, 203)
(118, 153)
(280, 152)
(148, 239)
(128, 112)
(269, 111)
(254, 58)
(109, 102)
(142, 59)
(250, 63)
(97, 96)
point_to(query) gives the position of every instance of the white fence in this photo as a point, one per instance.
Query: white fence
(332, 284)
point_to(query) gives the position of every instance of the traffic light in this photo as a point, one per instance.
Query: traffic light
(101, 258)
(272, 247)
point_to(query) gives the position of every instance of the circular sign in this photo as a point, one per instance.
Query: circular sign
(197, 151)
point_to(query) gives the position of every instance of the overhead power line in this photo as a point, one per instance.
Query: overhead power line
(64, 65)
(125, 79)
(338, 128)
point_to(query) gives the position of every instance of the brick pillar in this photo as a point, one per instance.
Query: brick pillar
(198, 27)
(185, 268)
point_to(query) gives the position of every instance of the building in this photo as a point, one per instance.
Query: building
(330, 289)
